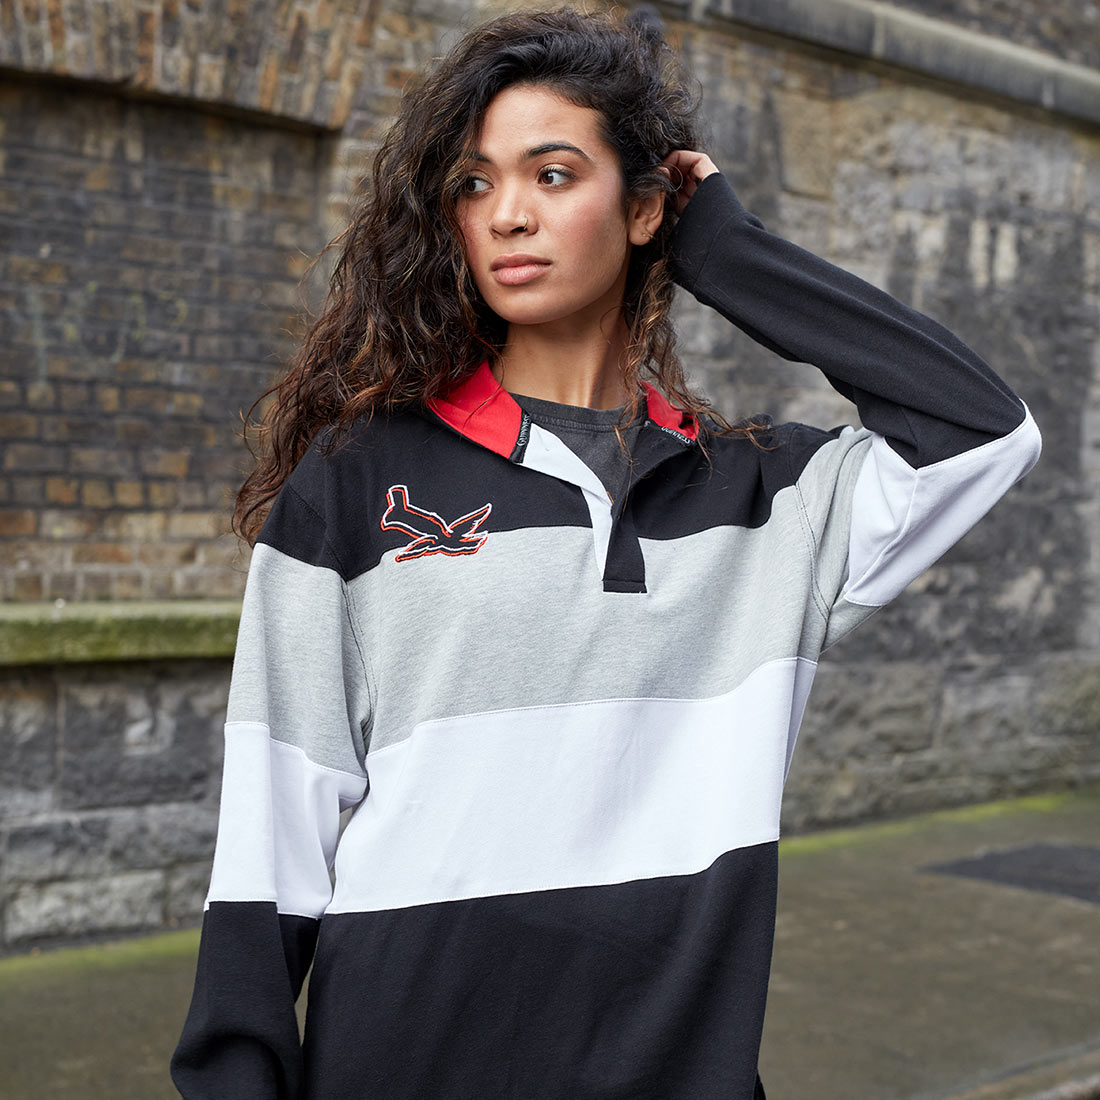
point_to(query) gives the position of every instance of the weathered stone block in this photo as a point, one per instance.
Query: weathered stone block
(142, 737)
(985, 710)
(125, 902)
(187, 889)
(99, 842)
(1067, 700)
(29, 736)
(805, 140)
(871, 711)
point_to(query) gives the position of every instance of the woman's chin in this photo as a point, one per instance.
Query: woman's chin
(571, 318)
(533, 317)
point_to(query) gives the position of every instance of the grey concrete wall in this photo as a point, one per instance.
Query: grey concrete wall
(961, 194)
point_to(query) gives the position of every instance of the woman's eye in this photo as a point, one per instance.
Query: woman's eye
(473, 185)
(555, 177)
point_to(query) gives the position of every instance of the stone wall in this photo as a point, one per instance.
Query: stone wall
(162, 202)
(107, 799)
(1064, 28)
(982, 680)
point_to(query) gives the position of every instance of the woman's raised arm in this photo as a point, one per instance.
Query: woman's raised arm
(950, 437)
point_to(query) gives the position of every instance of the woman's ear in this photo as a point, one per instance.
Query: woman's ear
(644, 217)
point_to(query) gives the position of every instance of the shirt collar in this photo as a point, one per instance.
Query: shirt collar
(482, 410)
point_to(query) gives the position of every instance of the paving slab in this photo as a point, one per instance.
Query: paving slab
(895, 981)
(892, 979)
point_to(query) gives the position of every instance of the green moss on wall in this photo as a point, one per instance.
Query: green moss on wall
(49, 633)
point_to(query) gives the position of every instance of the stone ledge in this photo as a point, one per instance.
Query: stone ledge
(49, 633)
(304, 61)
(906, 40)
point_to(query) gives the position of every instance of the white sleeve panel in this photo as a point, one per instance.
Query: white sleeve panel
(904, 519)
(279, 823)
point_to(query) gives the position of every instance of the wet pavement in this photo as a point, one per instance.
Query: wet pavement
(894, 981)
(94, 1023)
(954, 956)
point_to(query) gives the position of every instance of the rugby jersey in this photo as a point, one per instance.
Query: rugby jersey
(563, 717)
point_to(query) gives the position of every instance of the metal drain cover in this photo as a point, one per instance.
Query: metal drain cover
(1072, 870)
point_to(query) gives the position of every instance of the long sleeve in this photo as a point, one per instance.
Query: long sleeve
(293, 760)
(948, 436)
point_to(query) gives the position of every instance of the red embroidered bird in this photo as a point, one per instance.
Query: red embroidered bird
(433, 535)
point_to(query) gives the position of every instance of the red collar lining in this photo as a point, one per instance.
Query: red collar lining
(666, 415)
(482, 410)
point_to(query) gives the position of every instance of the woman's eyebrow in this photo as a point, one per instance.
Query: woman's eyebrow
(542, 150)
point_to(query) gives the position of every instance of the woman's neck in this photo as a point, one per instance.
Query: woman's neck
(571, 367)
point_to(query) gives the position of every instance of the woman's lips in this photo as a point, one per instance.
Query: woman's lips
(517, 270)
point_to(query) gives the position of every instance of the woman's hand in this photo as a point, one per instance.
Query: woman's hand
(688, 169)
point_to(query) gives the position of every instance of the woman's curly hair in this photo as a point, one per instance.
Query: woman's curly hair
(403, 322)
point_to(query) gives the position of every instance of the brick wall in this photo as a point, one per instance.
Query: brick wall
(151, 260)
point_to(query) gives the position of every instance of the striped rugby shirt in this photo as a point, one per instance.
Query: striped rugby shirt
(563, 721)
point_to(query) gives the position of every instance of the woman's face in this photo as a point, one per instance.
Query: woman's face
(545, 226)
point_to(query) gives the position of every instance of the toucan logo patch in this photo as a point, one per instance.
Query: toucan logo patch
(431, 534)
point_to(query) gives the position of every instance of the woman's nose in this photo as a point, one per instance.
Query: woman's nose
(510, 218)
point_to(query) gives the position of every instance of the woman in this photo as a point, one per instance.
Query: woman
(541, 617)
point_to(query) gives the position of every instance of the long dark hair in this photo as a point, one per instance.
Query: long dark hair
(403, 322)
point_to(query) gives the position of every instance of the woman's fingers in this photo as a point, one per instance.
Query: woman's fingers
(688, 169)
